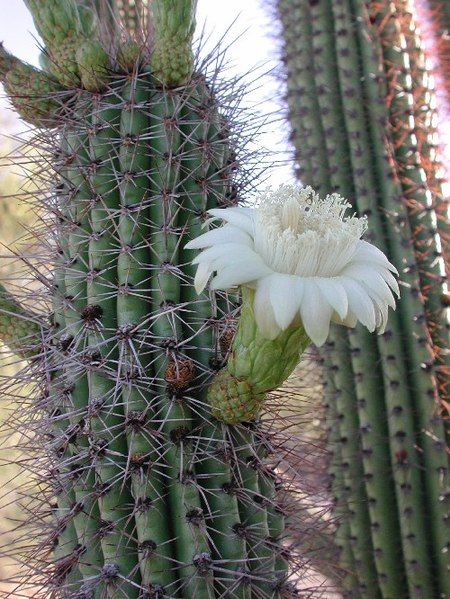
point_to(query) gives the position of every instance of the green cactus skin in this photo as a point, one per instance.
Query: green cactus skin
(401, 51)
(17, 327)
(153, 496)
(352, 474)
(427, 407)
(36, 96)
(361, 162)
(207, 156)
(174, 23)
(255, 366)
(67, 538)
(425, 110)
(74, 214)
(348, 125)
(94, 65)
(130, 311)
(337, 486)
(60, 25)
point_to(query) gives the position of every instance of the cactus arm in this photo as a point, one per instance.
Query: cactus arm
(362, 165)
(174, 24)
(406, 74)
(62, 26)
(158, 498)
(55, 20)
(152, 516)
(366, 198)
(36, 96)
(427, 118)
(19, 329)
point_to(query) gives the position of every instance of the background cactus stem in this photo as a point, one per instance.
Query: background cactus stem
(368, 160)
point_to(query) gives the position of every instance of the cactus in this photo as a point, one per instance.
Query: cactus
(353, 99)
(141, 492)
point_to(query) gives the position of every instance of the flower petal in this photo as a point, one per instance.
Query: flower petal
(240, 273)
(359, 303)
(237, 257)
(226, 234)
(373, 279)
(334, 293)
(285, 297)
(232, 251)
(381, 312)
(264, 315)
(391, 281)
(240, 217)
(201, 277)
(315, 313)
(367, 253)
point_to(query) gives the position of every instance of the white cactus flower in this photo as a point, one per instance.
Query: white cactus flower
(304, 257)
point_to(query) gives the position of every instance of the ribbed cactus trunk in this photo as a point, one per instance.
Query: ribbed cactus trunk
(150, 495)
(359, 107)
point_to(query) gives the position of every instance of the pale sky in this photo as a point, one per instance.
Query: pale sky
(253, 50)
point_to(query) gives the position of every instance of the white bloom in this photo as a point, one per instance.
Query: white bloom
(305, 259)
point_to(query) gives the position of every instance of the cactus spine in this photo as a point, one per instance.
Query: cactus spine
(351, 107)
(151, 495)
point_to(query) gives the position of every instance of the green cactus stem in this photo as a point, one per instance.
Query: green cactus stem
(421, 196)
(255, 366)
(37, 97)
(427, 111)
(174, 23)
(152, 514)
(60, 26)
(261, 553)
(206, 155)
(73, 243)
(19, 329)
(346, 574)
(94, 65)
(108, 418)
(66, 569)
(152, 496)
(362, 166)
